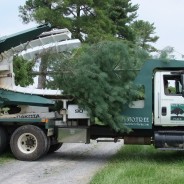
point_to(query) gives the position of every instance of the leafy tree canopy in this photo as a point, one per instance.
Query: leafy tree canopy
(22, 70)
(123, 13)
(82, 17)
(89, 20)
(144, 33)
(166, 52)
(99, 78)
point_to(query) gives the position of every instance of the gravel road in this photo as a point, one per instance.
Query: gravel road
(71, 164)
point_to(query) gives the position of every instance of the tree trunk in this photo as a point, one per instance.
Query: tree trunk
(42, 72)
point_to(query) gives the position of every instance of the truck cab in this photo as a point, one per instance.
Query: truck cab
(158, 119)
(168, 110)
(168, 99)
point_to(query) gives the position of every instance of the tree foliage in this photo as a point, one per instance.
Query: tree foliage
(145, 35)
(93, 21)
(84, 18)
(88, 20)
(22, 70)
(100, 79)
(166, 52)
(123, 13)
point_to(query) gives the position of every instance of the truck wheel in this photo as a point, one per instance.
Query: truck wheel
(55, 147)
(28, 143)
(3, 140)
(48, 145)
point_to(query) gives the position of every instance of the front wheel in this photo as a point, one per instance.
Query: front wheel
(28, 143)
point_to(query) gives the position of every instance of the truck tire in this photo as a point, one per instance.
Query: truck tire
(28, 143)
(55, 147)
(3, 140)
(48, 145)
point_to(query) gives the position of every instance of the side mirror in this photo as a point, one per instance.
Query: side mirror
(182, 84)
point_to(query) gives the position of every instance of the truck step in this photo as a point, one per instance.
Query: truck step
(107, 140)
(171, 149)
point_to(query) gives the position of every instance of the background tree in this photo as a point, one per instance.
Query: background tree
(144, 35)
(23, 71)
(92, 21)
(82, 17)
(166, 53)
(123, 13)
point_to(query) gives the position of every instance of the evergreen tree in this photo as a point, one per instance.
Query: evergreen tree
(99, 78)
(122, 13)
(145, 35)
(84, 18)
(166, 52)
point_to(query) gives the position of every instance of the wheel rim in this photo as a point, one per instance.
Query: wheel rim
(27, 143)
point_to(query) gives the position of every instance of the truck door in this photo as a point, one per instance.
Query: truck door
(168, 100)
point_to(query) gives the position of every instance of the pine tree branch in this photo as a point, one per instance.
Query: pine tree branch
(51, 72)
(72, 12)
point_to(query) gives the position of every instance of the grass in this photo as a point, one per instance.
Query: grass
(6, 157)
(142, 165)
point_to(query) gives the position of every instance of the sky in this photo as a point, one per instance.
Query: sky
(10, 22)
(167, 16)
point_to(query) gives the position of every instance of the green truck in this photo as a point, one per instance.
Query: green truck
(32, 128)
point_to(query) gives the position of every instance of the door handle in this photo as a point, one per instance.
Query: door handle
(164, 111)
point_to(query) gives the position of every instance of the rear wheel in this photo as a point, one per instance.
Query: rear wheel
(3, 140)
(28, 143)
